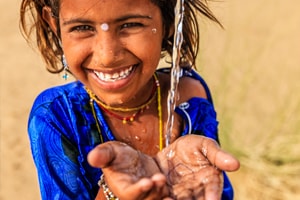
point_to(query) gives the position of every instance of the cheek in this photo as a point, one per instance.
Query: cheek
(148, 47)
(76, 53)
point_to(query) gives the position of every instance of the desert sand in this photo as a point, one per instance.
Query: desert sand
(252, 67)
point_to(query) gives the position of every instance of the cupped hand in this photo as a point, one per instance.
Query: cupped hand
(130, 174)
(189, 168)
(193, 167)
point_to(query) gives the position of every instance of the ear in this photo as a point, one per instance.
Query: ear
(50, 18)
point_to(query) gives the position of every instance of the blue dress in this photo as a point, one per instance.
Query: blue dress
(62, 131)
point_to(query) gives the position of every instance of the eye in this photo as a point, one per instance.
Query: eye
(131, 25)
(131, 28)
(82, 28)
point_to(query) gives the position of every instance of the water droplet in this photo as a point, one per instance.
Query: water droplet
(205, 180)
(204, 151)
(137, 138)
(198, 157)
(170, 154)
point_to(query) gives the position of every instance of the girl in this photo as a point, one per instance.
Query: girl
(119, 101)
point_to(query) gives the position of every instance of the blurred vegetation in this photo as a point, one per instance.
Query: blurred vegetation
(253, 68)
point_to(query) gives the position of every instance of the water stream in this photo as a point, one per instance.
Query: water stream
(175, 71)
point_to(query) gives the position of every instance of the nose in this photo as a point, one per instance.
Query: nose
(107, 49)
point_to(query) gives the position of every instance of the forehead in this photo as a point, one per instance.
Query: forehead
(106, 9)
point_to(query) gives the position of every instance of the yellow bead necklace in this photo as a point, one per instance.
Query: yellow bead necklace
(159, 110)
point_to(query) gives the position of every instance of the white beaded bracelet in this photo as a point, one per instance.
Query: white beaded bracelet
(107, 193)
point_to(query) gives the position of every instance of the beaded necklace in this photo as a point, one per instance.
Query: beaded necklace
(131, 118)
(120, 109)
(106, 108)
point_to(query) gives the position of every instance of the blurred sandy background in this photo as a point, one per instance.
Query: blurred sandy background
(252, 67)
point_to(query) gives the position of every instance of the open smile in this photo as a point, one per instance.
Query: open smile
(115, 76)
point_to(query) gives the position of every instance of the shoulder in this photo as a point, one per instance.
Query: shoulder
(54, 111)
(191, 85)
(52, 94)
(63, 95)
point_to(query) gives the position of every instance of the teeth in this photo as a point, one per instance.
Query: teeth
(115, 76)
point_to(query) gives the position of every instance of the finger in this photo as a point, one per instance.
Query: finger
(159, 180)
(218, 157)
(226, 161)
(147, 188)
(206, 181)
(183, 194)
(213, 187)
(138, 190)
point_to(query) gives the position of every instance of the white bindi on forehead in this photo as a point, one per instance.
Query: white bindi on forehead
(104, 27)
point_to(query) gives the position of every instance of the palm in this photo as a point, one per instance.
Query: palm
(187, 168)
(130, 174)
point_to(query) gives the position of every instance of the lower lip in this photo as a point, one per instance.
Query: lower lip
(113, 85)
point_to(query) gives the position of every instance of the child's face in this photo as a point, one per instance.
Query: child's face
(112, 46)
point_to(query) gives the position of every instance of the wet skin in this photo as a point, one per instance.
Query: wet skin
(194, 173)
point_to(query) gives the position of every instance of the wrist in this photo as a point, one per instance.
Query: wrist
(106, 191)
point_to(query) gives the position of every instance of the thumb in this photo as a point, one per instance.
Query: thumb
(102, 155)
(226, 162)
(219, 158)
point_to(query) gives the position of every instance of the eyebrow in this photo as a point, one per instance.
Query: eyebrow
(76, 20)
(120, 19)
(126, 17)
